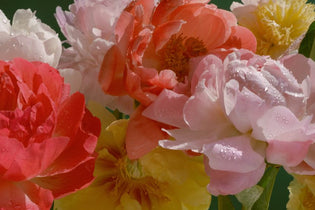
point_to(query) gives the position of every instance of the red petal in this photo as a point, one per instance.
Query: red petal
(66, 183)
(30, 161)
(70, 115)
(24, 195)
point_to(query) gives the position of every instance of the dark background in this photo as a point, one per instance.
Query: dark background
(45, 11)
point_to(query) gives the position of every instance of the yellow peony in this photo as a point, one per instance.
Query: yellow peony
(162, 179)
(277, 24)
(302, 193)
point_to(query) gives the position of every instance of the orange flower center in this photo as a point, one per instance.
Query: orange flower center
(176, 53)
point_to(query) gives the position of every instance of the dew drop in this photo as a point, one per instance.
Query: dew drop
(266, 89)
(4, 21)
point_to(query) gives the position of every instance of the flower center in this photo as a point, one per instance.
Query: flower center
(127, 176)
(176, 53)
(282, 22)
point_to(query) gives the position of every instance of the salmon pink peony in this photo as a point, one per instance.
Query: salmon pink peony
(155, 43)
(242, 111)
(47, 137)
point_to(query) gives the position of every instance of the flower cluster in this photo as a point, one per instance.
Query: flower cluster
(156, 104)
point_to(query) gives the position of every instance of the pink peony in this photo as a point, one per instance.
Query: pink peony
(89, 27)
(240, 112)
(47, 137)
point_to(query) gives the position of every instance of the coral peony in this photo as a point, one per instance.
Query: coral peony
(89, 27)
(28, 38)
(242, 110)
(155, 43)
(155, 181)
(47, 137)
(277, 24)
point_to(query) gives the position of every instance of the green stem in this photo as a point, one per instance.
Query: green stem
(224, 203)
(267, 182)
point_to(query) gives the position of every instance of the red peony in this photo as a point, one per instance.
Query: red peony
(47, 138)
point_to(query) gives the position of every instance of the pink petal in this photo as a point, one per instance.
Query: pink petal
(202, 110)
(281, 124)
(233, 154)
(231, 183)
(288, 154)
(167, 108)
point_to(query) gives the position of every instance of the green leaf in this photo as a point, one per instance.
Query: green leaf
(266, 182)
(249, 196)
(307, 47)
(224, 203)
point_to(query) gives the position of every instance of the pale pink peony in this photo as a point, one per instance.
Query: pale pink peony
(28, 38)
(89, 28)
(240, 112)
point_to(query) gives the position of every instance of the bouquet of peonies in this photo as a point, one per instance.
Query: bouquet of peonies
(158, 105)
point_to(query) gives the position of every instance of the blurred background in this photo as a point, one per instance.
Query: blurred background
(45, 11)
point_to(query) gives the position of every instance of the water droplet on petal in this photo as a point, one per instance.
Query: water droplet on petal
(266, 89)
(4, 21)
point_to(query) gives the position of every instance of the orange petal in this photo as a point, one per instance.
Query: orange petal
(142, 135)
(111, 75)
(241, 38)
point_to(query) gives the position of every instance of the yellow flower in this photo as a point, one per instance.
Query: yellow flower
(302, 193)
(162, 179)
(277, 24)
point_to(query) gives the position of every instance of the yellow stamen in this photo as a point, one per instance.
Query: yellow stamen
(281, 22)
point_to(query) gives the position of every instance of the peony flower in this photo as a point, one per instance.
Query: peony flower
(155, 42)
(47, 137)
(28, 38)
(240, 112)
(277, 24)
(302, 194)
(89, 27)
(155, 181)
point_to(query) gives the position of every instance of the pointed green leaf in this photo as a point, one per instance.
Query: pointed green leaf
(249, 196)
(224, 203)
(266, 182)
(307, 47)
